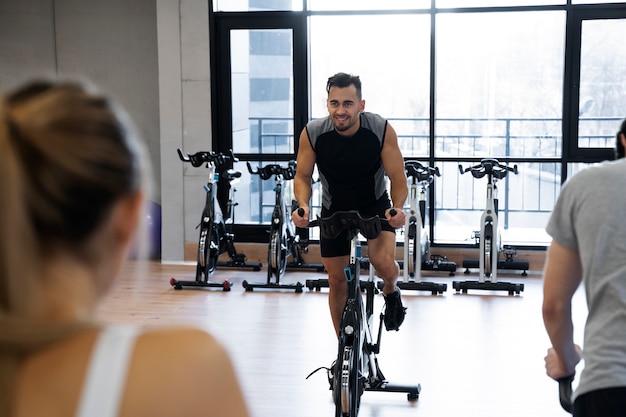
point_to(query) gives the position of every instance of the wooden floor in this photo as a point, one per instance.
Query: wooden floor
(475, 354)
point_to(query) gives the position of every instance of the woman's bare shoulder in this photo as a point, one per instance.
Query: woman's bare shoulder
(191, 360)
(194, 345)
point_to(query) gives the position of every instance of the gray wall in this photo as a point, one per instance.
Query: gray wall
(152, 56)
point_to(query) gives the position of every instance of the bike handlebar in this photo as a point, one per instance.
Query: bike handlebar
(199, 158)
(266, 172)
(489, 166)
(332, 226)
(420, 172)
(565, 393)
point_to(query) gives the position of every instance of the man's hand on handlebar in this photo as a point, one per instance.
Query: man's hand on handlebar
(557, 368)
(395, 217)
(300, 217)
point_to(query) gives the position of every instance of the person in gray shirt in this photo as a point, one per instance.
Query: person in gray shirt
(588, 227)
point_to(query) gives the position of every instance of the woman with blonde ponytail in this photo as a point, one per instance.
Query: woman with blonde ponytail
(72, 186)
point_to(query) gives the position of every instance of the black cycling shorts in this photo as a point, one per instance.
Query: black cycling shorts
(602, 402)
(340, 246)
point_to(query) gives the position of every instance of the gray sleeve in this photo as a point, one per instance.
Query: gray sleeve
(561, 226)
(376, 124)
(317, 127)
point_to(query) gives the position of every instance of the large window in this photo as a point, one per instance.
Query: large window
(499, 95)
(395, 72)
(532, 83)
(602, 81)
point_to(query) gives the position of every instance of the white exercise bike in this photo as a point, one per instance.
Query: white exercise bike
(488, 236)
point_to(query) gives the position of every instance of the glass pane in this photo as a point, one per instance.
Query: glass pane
(602, 82)
(395, 80)
(256, 5)
(368, 4)
(525, 203)
(494, 3)
(574, 168)
(499, 85)
(262, 90)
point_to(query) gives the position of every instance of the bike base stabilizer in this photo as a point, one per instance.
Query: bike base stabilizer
(178, 284)
(412, 391)
(510, 287)
(272, 286)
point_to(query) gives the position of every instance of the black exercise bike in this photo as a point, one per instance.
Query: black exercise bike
(283, 241)
(215, 235)
(356, 369)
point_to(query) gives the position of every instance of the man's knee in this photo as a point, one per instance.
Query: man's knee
(388, 269)
(337, 280)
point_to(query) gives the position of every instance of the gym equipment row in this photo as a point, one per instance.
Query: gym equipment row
(216, 236)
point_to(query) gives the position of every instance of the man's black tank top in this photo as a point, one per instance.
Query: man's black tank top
(350, 168)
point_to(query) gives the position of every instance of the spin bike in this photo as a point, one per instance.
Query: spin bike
(416, 241)
(356, 369)
(284, 241)
(215, 236)
(489, 239)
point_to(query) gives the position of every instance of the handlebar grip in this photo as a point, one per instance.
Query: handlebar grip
(565, 393)
(182, 156)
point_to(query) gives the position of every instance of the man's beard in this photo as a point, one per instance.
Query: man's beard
(343, 127)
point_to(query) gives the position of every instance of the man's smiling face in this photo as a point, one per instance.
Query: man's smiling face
(344, 106)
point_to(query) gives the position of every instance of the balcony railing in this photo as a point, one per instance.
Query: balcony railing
(534, 144)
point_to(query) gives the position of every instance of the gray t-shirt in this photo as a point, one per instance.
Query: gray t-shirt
(590, 216)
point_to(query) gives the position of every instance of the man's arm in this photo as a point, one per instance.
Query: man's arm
(394, 167)
(302, 181)
(562, 276)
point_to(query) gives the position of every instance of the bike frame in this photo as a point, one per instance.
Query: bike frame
(489, 235)
(283, 239)
(282, 233)
(416, 242)
(415, 237)
(214, 237)
(209, 240)
(356, 368)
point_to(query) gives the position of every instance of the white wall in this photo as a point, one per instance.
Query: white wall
(111, 43)
(152, 56)
(184, 83)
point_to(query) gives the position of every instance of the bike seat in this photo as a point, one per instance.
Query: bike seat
(352, 221)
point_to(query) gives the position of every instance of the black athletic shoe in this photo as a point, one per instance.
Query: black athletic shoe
(394, 311)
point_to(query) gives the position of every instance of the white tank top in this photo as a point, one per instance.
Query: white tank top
(106, 373)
